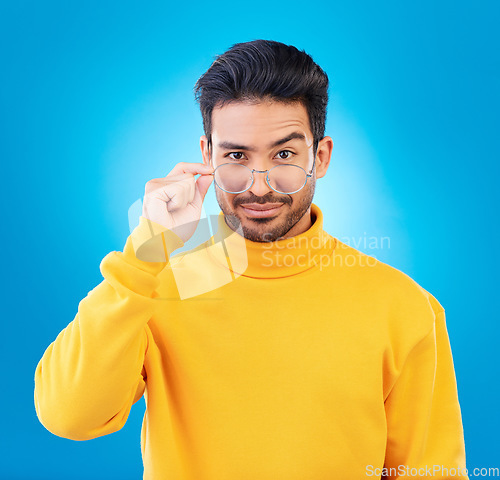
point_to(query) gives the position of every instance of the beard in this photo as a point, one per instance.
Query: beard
(264, 229)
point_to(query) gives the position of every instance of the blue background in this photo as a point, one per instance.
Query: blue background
(96, 99)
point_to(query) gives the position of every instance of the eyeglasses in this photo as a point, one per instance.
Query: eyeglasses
(238, 178)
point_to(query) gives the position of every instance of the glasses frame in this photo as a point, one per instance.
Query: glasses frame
(253, 170)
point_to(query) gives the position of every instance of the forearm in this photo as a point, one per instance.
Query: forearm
(423, 412)
(87, 379)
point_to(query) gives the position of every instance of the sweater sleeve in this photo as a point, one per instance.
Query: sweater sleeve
(89, 377)
(423, 414)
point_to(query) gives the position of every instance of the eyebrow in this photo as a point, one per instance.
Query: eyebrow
(234, 146)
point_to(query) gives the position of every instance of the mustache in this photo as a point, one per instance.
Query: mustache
(268, 198)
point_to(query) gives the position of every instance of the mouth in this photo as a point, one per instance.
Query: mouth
(261, 210)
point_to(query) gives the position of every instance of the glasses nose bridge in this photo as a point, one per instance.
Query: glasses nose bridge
(258, 184)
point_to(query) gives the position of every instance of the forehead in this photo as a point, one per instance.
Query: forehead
(259, 123)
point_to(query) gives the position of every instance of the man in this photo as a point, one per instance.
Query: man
(273, 350)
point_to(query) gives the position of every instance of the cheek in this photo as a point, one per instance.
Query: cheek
(305, 196)
(224, 198)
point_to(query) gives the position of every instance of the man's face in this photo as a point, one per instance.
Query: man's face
(245, 133)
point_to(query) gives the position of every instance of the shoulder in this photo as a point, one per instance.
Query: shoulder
(381, 276)
(406, 304)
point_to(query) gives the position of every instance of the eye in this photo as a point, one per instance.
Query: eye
(234, 153)
(287, 157)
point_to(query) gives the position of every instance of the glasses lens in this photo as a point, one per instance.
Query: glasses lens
(287, 178)
(233, 177)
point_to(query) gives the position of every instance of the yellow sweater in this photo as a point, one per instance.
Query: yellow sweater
(300, 359)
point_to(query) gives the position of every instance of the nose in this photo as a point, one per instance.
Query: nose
(260, 186)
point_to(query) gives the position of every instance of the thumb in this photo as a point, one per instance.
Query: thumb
(202, 185)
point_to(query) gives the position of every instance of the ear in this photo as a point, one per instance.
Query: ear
(323, 156)
(204, 149)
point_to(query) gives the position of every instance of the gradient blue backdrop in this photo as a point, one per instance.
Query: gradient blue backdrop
(96, 99)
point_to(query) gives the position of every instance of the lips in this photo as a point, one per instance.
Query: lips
(261, 207)
(257, 210)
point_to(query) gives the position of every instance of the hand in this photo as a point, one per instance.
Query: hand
(175, 201)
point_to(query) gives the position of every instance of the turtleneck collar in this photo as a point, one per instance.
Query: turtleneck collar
(280, 258)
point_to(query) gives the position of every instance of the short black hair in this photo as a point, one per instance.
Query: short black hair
(264, 69)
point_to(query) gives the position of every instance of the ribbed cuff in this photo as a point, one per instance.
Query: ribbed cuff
(150, 245)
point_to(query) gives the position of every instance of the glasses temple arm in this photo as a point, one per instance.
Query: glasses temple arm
(312, 168)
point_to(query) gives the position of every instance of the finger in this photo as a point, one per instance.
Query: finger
(176, 195)
(189, 188)
(202, 186)
(192, 189)
(157, 183)
(176, 178)
(194, 168)
(188, 184)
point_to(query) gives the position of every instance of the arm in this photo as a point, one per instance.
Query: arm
(423, 413)
(89, 377)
